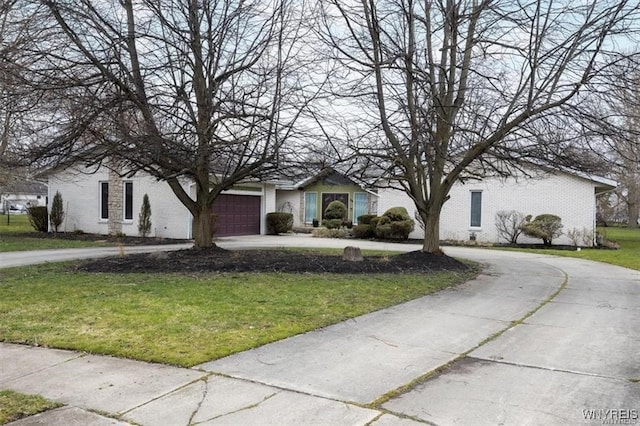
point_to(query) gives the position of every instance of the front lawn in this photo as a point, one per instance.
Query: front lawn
(14, 223)
(19, 235)
(189, 319)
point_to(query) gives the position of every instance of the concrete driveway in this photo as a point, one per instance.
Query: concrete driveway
(533, 340)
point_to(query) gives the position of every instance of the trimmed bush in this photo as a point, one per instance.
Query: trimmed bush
(335, 210)
(329, 233)
(394, 224)
(279, 223)
(57, 212)
(396, 214)
(374, 222)
(365, 219)
(39, 218)
(544, 226)
(363, 231)
(332, 223)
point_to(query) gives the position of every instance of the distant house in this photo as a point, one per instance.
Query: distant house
(470, 212)
(103, 202)
(308, 198)
(19, 195)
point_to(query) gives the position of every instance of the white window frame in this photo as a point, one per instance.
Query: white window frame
(124, 201)
(471, 215)
(101, 206)
(355, 213)
(305, 207)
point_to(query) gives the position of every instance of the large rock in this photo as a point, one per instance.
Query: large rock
(352, 254)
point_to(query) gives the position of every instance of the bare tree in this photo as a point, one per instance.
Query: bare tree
(620, 118)
(18, 34)
(509, 225)
(448, 90)
(207, 91)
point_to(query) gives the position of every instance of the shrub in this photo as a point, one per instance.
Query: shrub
(279, 223)
(394, 224)
(587, 237)
(544, 226)
(365, 219)
(329, 233)
(39, 218)
(575, 236)
(332, 223)
(363, 231)
(396, 214)
(335, 210)
(509, 225)
(144, 217)
(374, 223)
(57, 212)
(579, 237)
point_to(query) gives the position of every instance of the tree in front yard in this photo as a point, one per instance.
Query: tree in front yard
(186, 91)
(452, 90)
(57, 212)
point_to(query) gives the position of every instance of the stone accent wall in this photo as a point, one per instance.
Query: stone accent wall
(115, 203)
(301, 209)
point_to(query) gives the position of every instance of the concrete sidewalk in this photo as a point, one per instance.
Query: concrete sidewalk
(533, 340)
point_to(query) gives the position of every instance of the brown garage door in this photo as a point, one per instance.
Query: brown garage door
(237, 215)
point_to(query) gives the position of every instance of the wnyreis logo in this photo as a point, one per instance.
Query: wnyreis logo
(612, 416)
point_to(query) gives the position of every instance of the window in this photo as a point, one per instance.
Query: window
(360, 206)
(476, 209)
(128, 201)
(104, 200)
(310, 206)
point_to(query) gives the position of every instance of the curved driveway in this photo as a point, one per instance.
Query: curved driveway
(533, 340)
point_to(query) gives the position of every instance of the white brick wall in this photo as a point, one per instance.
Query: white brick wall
(81, 195)
(169, 218)
(572, 198)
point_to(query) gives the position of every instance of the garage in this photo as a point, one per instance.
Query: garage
(237, 215)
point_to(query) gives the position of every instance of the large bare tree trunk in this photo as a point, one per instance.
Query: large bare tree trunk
(431, 243)
(202, 229)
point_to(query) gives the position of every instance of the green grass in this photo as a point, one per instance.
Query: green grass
(13, 243)
(15, 223)
(14, 406)
(15, 236)
(187, 320)
(627, 256)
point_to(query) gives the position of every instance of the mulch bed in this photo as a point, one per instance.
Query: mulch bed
(219, 260)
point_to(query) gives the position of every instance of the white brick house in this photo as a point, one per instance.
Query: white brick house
(570, 196)
(102, 202)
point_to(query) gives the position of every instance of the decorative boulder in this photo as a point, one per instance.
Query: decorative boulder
(352, 254)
